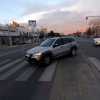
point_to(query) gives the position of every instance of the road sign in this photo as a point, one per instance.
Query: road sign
(32, 23)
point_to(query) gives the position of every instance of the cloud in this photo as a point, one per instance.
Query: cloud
(40, 5)
(40, 10)
(35, 16)
(62, 21)
(89, 6)
(66, 16)
(57, 19)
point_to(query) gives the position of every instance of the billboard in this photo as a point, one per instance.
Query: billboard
(32, 23)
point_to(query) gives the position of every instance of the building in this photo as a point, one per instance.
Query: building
(94, 24)
(7, 35)
(15, 33)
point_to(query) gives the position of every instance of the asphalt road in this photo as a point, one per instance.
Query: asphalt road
(66, 78)
(89, 49)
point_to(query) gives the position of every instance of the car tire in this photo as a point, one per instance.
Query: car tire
(29, 62)
(47, 60)
(73, 52)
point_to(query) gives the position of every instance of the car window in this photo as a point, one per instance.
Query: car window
(58, 42)
(47, 43)
(68, 40)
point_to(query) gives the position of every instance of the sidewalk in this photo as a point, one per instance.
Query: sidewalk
(8, 46)
(13, 46)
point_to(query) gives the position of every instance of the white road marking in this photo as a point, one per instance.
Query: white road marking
(12, 71)
(26, 75)
(10, 52)
(5, 61)
(9, 65)
(48, 73)
(95, 61)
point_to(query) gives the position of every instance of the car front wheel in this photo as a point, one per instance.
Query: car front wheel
(47, 60)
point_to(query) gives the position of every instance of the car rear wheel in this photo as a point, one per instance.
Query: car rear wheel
(73, 52)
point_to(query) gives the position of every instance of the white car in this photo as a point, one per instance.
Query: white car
(52, 48)
(97, 41)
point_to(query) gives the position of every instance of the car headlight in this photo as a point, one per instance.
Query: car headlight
(37, 56)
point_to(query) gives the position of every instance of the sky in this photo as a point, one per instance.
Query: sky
(64, 16)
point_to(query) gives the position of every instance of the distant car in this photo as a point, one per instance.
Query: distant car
(52, 48)
(97, 41)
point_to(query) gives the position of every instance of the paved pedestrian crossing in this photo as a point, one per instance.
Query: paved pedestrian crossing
(26, 74)
(21, 70)
(5, 61)
(48, 73)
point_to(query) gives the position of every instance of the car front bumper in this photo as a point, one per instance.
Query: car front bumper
(29, 58)
(97, 42)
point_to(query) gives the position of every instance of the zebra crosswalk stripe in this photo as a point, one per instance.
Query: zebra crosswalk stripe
(48, 73)
(8, 71)
(5, 61)
(12, 71)
(9, 65)
(26, 75)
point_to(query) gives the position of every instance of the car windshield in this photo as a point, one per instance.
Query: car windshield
(47, 43)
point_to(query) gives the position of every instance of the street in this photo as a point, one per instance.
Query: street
(67, 78)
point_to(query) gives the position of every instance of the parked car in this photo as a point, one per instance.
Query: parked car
(52, 48)
(96, 41)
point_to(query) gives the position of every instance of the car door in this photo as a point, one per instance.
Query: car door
(67, 44)
(57, 47)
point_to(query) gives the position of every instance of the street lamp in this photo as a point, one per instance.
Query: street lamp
(10, 38)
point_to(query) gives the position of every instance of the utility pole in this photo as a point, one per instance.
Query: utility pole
(10, 38)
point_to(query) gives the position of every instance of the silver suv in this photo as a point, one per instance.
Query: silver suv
(52, 48)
